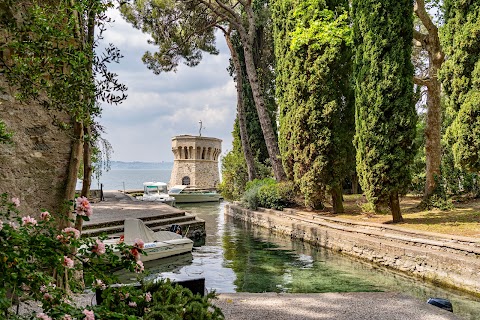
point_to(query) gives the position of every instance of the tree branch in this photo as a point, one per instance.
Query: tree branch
(419, 9)
(422, 81)
(419, 37)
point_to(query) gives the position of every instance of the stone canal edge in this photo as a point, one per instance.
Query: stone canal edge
(448, 260)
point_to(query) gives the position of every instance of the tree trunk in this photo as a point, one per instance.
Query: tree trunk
(87, 171)
(337, 199)
(87, 138)
(73, 167)
(355, 189)
(395, 207)
(242, 118)
(269, 135)
(433, 150)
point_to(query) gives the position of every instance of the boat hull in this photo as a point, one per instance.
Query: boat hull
(161, 249)
(190, 198)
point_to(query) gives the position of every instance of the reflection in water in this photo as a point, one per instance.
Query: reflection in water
(237, 257)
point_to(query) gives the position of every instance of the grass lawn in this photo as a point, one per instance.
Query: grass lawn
(462, 220)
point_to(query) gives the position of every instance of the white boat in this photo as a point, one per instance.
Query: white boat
(158, 244)
(157, 191)
(184, 194)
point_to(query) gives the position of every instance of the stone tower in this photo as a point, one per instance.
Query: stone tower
(195, 161)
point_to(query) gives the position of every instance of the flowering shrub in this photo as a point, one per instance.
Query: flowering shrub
(40, 263)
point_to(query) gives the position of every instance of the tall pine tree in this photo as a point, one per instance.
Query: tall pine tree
(385, 112)
(461, 80)
(314, 91)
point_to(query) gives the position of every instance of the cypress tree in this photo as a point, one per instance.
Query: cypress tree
(315, 96)
(461, 80)
(384, 108)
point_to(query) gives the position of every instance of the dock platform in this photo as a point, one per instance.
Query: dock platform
(108, 216)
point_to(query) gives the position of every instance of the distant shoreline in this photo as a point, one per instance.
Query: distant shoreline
(115, 165)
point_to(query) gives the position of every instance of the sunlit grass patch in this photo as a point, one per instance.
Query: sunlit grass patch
(462, 220)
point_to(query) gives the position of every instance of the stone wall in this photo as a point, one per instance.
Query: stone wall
(451, 261)
(34, 167)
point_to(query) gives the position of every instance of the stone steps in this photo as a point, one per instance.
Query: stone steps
(156, 223)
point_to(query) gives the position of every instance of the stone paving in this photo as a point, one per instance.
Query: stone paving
(118, 206)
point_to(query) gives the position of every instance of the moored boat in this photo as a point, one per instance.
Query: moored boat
(186, 194)
(158, 245)
(157, 191)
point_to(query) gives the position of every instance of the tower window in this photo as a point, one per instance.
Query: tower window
(186, 181)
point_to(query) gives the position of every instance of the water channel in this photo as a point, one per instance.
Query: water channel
(238, 257)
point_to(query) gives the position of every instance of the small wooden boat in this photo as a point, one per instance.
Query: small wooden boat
(158, 245)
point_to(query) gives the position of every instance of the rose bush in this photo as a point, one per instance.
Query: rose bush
(40, 263)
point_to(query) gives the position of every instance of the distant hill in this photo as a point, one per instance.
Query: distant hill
(141, 165)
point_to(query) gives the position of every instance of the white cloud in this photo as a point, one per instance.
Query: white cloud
(160, 107)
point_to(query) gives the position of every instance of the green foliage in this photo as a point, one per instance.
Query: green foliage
(314, 93)
(34, 255)
(419, 162)
(38, 262)
(455, 180)
(5, 135)
(460, 76)
(268, 193)
(465, 133)
(158, 300)
(187, 31)
(385, 111)
(234, 176)
(234, 170)
(52, 61)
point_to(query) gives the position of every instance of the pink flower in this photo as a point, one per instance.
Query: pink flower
(132, 304)
(135, 253)
(89, 315)
(43, 316)
(16, 202)
(28, 220)
(139, 243)
(67, 317)
(139, 267)
(43, 288)
(148, 297)
(83, 207)
(45, 216)
(67, 262)
(47, 296)
(71, 232)
(13, 225)
(99, 248)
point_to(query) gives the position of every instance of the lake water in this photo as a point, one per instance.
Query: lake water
(120, 179)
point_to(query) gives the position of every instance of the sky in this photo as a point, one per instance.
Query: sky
(159, 107)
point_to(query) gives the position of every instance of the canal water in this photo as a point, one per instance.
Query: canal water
(237, 257)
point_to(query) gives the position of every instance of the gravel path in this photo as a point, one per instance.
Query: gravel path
(334, 306)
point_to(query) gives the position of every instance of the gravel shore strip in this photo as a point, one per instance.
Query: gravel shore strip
(338, 306)
(309, 306)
